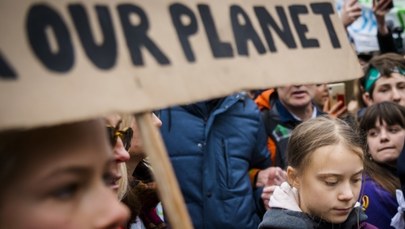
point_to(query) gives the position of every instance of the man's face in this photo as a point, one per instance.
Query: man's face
(296, 96)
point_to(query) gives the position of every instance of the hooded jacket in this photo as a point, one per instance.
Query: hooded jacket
(212, 145)
(285, 213)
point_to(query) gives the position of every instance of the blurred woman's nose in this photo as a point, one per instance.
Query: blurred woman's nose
(156, 121)
(110, 212)
(120, 153)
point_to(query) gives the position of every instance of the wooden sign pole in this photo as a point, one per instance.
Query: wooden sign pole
(168, 187)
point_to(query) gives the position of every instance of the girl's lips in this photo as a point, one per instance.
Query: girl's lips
(114, 182)
(342, 211)
(115, 187)
(385, 148)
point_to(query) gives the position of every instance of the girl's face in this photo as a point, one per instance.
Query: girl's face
(385, 142)
(62, 181)
(330, 186)
(389, 89)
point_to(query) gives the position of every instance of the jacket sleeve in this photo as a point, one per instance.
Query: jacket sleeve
(261, 156)
(386, 43)
(260, 208)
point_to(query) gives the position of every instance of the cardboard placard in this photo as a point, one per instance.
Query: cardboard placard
(70, 60)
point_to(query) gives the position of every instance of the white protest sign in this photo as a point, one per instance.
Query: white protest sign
(70, 60)
(363, 31)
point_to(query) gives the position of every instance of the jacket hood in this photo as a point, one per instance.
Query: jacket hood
(286, 197)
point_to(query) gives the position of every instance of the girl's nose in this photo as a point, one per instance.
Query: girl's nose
(383, 135)
(346, 193)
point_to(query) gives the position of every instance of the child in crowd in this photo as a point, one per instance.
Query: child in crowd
(58, 177)
(384, 80)
(322, 188)
(384, 127)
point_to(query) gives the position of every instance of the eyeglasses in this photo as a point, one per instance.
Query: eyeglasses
(125, 135)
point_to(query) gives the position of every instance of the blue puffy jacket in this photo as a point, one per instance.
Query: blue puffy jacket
(211, 152)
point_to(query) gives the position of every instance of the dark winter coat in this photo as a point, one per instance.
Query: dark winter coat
(212, 145)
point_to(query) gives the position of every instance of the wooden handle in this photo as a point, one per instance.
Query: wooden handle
(168, 187)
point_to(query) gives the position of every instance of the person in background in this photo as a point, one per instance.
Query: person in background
(120, 139)
(142, 197)
(398, 221)
(351, 10)
(383, 125)
(282, 110)
(212, 146)
(322, 188)
(54, 177)
(383, 81)
(384, 34)
(321, 100)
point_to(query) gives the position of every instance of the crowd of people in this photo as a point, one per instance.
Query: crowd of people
(272, 158)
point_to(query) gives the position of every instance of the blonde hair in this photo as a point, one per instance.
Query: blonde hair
(126, 119)
(123, 182)
(316, 133)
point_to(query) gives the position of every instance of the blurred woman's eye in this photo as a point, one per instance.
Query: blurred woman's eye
(66, 192)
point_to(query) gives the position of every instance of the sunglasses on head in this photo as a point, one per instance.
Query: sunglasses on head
(125, 135)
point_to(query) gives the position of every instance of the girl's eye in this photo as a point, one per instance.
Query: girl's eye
(66, 192)
(394, 129)
(384, 89)
(356, 179)
(372, 133)
(330, 183)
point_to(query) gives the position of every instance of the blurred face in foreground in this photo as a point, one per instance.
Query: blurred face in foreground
(328, 186)
(58, 179)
